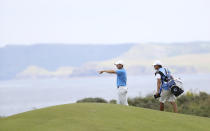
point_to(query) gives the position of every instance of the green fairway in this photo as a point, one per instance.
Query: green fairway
(102, 117)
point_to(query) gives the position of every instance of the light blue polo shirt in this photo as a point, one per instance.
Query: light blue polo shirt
(121, 77)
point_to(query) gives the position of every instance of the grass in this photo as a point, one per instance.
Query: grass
(101, 117)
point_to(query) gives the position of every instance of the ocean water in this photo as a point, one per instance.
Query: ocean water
(18, 96)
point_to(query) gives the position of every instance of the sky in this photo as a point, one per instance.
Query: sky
(103, 21)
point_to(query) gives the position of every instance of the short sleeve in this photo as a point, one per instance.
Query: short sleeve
(158, 76)
(119, 72)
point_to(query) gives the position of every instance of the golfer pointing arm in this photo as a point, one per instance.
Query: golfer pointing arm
(121, 82)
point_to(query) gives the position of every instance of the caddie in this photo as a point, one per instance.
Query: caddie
(164, 77)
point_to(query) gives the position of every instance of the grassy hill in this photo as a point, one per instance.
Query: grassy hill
(101, 117)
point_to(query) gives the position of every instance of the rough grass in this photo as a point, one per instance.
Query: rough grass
(102, 117)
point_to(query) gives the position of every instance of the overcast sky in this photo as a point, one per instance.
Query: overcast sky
(103, 21)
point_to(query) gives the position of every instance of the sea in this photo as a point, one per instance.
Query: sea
(21, 95)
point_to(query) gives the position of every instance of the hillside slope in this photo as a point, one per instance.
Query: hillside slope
(101, 117)
(15, 59)
(182, 58)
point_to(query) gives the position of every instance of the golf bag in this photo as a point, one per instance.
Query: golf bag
(177, 88)
(175, 85)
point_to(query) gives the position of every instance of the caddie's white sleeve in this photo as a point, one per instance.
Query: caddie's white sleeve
(158, 76)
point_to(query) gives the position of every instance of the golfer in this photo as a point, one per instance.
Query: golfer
(163, 75)
(121, 82)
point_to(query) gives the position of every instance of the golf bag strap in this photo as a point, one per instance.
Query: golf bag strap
(159, 72)
(162, 75)
(166, 71)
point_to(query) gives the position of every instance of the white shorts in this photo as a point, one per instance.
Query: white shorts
(166, 95)
(122, 95)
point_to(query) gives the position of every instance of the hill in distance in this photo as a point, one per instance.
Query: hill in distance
(50, 57)
(101, 117)
(64, 61)
(181, 57)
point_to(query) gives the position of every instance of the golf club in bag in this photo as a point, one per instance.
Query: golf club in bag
(177, 88)
(175, 85)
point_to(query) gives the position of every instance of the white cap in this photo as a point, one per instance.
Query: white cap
(119, 62)
(157, 62)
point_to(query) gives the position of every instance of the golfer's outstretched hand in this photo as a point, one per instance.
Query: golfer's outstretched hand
(100, 72)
